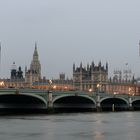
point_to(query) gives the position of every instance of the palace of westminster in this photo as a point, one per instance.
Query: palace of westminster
(92, 78)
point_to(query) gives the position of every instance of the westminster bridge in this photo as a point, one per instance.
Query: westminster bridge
(33, 99)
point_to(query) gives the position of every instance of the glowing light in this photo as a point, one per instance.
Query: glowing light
(115, 93)
(98, 85)
(129, 89)
(1, 83)
(90, 90)
(50, 82)
(54, 87)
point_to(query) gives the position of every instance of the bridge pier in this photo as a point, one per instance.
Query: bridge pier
(49, 102)
(98, 105)
(130, 104)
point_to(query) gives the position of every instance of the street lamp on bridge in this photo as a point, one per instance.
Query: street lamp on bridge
(98, 87)
(90, 90)
(129, 90)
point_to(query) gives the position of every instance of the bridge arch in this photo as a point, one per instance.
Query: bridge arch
(22, 101)
(114, 103)
(136, 104)
(71, 103)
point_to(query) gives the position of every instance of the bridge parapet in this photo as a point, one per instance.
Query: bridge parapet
(97, 98)
(15, 100)
(42, 93)
(68, 93)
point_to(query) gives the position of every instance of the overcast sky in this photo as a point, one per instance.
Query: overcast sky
(69, 31)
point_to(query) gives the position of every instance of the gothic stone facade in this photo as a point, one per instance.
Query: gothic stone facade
(34, 73)
(93, 78)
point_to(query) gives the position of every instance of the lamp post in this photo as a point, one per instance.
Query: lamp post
(90, 91)
(113, 105)
(98, 85)
(130, 99)
(98, 106)
(54, 87)
(50, 95)
(129, 90)
(50, 83)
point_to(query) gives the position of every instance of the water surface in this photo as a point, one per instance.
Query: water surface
(71, 126)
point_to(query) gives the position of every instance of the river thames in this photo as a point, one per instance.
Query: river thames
(71, 126)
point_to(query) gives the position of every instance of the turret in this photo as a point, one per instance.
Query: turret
(81, 66)
(92, 65)
(73, 67)
(35, 64)
(19, 73)
(106, 66)
(100, 64)
(35, 55)
(87, 67)
(25, 69)
(13, 71)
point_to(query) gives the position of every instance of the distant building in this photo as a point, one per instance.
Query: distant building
(14, 71)
(62, 76)
(16, 74)
(34, 73)
(123, 86)
(16, 78)
(91, 78)
(56, 84)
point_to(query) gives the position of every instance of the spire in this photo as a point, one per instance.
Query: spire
(35, 45)
(100, 64)
(73, 67)
(92, 64)
(35, 51)
(88, 67)
(107, 66)
(25, 69)
(81, 65)
(35, 54)
(35, 64)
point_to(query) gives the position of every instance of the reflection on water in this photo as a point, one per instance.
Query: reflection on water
(78, 126)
